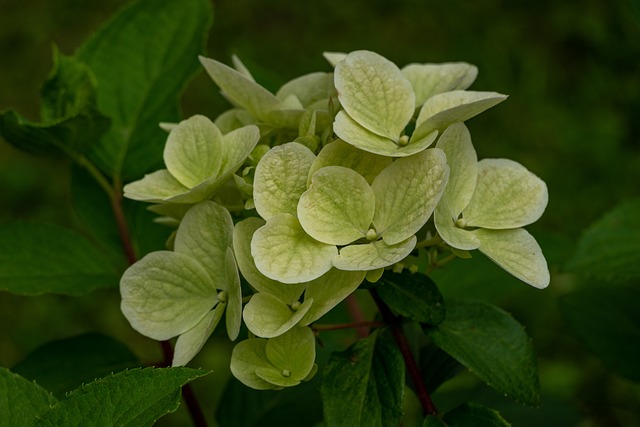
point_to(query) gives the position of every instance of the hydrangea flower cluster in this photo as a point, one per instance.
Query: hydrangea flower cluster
(307, 192)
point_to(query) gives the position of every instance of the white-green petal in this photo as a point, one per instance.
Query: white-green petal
(374, 255)
(507, 195)
(267, 316)
(334, 57)
(283, 251)
(165, 294)
(373, 91)
(329, 290)
(155, 187)
(455, 141)
(246, 357)
(294, 351)
(191, 342)
(338, 207)
(456, 237)
(431, 79)
(447, 108)
(241, 68)
(204, 234)
(407, 192)
(233, 317)
(240, 90)
(193, 151)
(517, 252)
(237, 145)
(280, 179)
(278, 377)
(242, 235)
(355, 134)
(339, 153)
(309, 88)
(233, 119)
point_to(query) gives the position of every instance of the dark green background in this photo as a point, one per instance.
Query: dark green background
(571, 68)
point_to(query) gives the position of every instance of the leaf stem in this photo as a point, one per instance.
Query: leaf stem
(395, 325)
(431, 241)
(358, 317)
(337, 326)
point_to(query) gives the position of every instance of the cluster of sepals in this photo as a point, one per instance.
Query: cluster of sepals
(330, 181)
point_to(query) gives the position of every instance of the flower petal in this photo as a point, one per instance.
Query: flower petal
(373, 91)
(517, 252)
(247, 356)
(329, 290)
(338, 207)
(193, 152)
(374, 255)
(267, 316)
(155, 187)
(192, 341)
(431, 79)
(283, 251)
(507, 195)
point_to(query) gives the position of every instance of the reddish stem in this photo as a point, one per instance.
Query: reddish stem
(338, 326)
(355, 312)
(428, 408)
(123, 230)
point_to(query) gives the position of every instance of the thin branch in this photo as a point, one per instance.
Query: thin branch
(358, 317)
(395, 325)
(337, 326)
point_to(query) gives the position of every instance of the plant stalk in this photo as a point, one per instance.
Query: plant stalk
(428, 408)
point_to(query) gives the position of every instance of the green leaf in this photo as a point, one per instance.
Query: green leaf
(517, 252)
(129, 398)
(374, 255)
(468, 415)
(266, 316)
(413, 296)
(21, 401)
(339, 153)
(431, 79)
(142, 59)
(492, 345)
(610, 249)
(69, 89)
(280, 179)
(447, 108)
(191, 342)
(607, 320)
(407, 192)
(63, 365)
(338, 207)
(507, 195)
(39, 258)
(242, 406)
(364, 385)
(329, 290)
(373, 92)
(242, 235)
(165, 294)
(283, 251)
(71, 136)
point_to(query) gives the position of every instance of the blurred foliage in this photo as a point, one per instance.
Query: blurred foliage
(572, 72)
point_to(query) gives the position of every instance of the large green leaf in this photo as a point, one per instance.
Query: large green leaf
(610, 249)
(607, 319)
(364, 385)
(130, 398)
(468, 414)
(412, 295)
(62, 366)
(142, 59)
(21, 400)
(492, 345)
(39, 258)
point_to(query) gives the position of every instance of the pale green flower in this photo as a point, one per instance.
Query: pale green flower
(199, 161)
(185, 293)
(379, 100)
(340, 220)
(486, 203)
